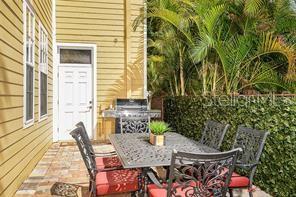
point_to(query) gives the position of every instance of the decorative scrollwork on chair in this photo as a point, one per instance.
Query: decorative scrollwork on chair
(134, 124)
(251, 141)
(123, 181)
(201, 175)
(213, 134)
(87, 157)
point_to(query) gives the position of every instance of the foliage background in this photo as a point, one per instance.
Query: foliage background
(202, 47)
(276, 173)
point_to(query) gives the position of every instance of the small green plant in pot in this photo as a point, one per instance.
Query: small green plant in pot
(157, 130)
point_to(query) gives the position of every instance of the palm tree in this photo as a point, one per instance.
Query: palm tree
(223, 44)
(172, 41)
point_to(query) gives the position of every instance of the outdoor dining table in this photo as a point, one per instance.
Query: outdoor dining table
(135, 151)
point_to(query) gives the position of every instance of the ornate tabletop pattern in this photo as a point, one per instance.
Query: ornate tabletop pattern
(134, 149)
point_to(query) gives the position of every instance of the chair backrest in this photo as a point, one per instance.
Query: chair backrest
(201, 175)
(86, 137)
(213, 134)
(86, 154)
(251, 141)
(131, 124)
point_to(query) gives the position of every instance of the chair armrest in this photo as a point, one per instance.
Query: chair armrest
(246, 166)
(112, 169)
(113, 153)
(153, 178)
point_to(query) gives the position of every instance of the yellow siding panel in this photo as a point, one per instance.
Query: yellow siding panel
(24, 168)
(11, 126)
(78, 20)
(137, 40)
(99, 1)
(10, 27)
(89, 4)
(90, 32)
(110, 66)
(8, 4)
(10, 114)
(86, 26)
(10, 76)
(99, 11)
(10, 47)
(9, 89)
(11, 151)
(108, 24)
(21, 148)
(89, 16)
(8, 62)
(10, 102)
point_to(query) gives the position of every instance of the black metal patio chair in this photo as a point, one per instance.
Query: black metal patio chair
(213, 134)
(200, 175)
(134, 124)
(105, 160)
(86, 137)
(105, 182)
(251, 141)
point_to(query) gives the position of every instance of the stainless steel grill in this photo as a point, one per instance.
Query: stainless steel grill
(130, 108)
(131, 104)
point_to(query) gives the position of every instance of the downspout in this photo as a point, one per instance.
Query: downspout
(145, 50)
(127, 49)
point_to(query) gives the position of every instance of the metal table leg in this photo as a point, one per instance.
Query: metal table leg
(143, 191)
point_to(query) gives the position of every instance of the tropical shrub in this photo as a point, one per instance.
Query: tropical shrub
(221, 46)
(276, 172)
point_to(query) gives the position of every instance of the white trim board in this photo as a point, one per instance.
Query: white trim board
(26, 4)
(93, 48)
(42, 28)
(55, 75)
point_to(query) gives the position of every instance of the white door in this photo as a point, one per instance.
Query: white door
(75, 98)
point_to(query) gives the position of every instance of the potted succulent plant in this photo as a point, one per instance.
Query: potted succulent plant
(157, 130)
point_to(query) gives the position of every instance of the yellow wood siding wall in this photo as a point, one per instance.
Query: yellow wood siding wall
(21, 149)
(108, 24)
(137, 51)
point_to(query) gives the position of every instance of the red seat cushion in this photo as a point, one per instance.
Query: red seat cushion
(155, 191)
(107, 162)
(238, 181)
(117, 181)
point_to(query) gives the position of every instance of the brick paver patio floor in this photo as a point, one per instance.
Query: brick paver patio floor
(63, 163)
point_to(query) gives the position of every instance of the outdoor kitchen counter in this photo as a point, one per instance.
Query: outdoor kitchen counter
(112, 113)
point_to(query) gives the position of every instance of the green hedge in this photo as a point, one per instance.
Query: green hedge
(277, 171)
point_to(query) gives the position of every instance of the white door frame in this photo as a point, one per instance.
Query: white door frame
(93, 48)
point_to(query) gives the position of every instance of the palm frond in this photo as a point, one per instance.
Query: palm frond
(200, 50)
(252, 7)
(262, 76)
(156, 58)
(271, 44)
(285, 16)
(175, 19)
(212, 16)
